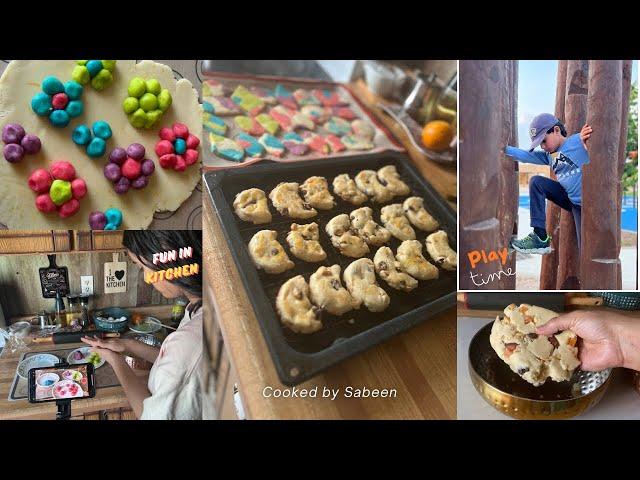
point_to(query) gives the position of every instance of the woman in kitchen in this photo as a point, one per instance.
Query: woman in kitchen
(174, 389)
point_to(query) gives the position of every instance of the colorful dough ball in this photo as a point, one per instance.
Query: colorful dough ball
(95, 143)
(60, 103)
(128, 168)
(97, 220)
(40, 180)
(58, 189)
(177, 148)
(114, 219)
(98, 72)
(146, 103)
(18, 143)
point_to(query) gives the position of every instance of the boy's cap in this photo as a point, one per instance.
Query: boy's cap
(539, 127)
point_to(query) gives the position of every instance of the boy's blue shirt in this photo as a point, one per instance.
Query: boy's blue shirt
(566, 163)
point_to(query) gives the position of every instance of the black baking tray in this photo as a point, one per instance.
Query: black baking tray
(298, 357)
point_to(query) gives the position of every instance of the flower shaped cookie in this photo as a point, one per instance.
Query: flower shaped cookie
(146, 103)
(177, 148)
(58, 189)
(60, 103)
(98, 72)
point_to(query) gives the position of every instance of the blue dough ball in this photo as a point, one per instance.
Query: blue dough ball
(180, 145)
(94, 66)
(73, 90)
(41, 104)
(74, 108)
(51, 86)
(97, 147)
(114, 219)
(101, 129)
(59, 118)
(81, 135)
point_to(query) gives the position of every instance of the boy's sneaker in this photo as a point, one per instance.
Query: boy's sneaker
(532, 244)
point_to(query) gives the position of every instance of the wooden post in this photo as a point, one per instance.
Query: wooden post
(487, 99)
(549, 270)
(600, 233)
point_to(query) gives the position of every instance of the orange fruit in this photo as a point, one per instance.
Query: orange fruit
(437, 135)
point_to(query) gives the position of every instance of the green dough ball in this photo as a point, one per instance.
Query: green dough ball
(130, 105)
(109, 65)
(60, 192)
(148, 102)
(138, 118)
(152, 118)
(102, 80)
(164, 100)
(82, 62)
(153, 86)
(81, 75)
(137, 87)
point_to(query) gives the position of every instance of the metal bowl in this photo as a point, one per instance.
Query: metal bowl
(139, 363)
(508, 393)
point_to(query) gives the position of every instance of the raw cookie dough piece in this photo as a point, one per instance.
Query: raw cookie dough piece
(363, 129)
(264, 94)
(268, 254)
(300, 120)
(212, 88)
(354, 142)
(251, 146)
(251, 206)
(318, 114)
(268, 123)
(283, 116)
(272, 145)
(367, 181)
(439, 249)
(221, 106)
(534, 357)
(327, 292)
(343, 112)
(393, 218)
(284, 97)
(295, 308)
(304, 97)
(213, 124)
(335, 143)
(249, 125)
(226, 148)
(346, 189)
(338, 126)
(329, 98)
(390, 178)
(418, 215)
(316, 142)
(409, 255)
(345, 238)
(316, 193)
(388, 269)
(247, 101)
(294, 143)
(360, 279)
(303, 242)
(363, 223)
(287, 200)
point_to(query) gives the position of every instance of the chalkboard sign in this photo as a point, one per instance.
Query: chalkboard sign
(54, 279)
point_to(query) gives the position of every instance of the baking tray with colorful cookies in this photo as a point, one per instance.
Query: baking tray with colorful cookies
(319, 250)
(248, 119)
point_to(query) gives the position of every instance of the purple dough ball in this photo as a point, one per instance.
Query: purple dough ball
(31, 144)
(118, 156)
(136, 151)
(112, 172)
(13, 152)
(12, 133)
(148, 167)
(97, 221)
(122, 185)
(140, 182)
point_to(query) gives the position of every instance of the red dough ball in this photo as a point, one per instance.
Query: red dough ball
(181, 130)
(63, 171)
(131, 169)
(168, 160)
(180, 164)
(45, 204)
(167, 134)
(190, 157)
(60, 101)
(40, 181)
(79, 188)
(163, 147)
(193, 142)
(69, 208)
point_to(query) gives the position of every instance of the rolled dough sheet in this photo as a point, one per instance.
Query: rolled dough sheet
(167, 189)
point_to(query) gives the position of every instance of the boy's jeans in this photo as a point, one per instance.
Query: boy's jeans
(542, 188)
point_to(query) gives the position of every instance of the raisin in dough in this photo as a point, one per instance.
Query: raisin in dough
(394, 220)
(409, 255)
(267, 253)
(345, 238)
(388, 268)
(416, 213)
(439, 249)
(360, 279)
(370, 231)
(252, 206)
(295, 308)
(303, 242)
(368, 182)
(316, 193)
(534, 357)
(390, 178)
(346, 189)
(327, 292)
(287, 200)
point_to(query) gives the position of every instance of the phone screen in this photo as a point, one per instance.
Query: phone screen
(61, 383)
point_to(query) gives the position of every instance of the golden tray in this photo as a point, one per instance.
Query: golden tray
(508, 393)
